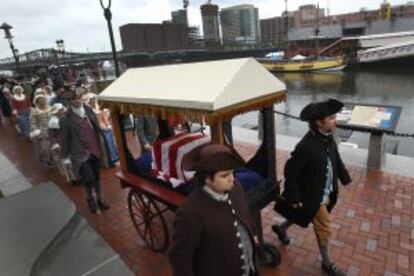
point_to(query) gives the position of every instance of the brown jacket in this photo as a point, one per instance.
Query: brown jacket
(205, 241)
(72, 141)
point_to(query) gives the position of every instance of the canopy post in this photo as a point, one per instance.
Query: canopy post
(269, 141)
(117, 133)
(217, 132)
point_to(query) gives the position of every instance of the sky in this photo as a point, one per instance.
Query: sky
(81, 24)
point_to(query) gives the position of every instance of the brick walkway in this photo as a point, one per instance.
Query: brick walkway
(373, 229)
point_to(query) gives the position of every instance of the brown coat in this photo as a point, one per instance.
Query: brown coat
(205, 241)
(71, 139)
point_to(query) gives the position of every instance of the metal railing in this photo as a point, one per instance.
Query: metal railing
(394, 134)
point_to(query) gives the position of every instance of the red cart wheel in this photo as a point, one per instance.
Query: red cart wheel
(148, 220)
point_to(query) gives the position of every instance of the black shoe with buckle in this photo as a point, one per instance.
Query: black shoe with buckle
(332, 270)
(103, 205)
(92, 205)
(281, 234)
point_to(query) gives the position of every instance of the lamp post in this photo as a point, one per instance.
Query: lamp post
(286, 25)
(60, 44)
(108, 17)
(6, 27)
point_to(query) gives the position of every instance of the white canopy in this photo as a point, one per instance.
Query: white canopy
(298, 57)
(205, 86)
(276, 55)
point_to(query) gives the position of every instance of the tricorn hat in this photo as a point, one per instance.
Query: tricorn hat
(320, 110)
(212, 158)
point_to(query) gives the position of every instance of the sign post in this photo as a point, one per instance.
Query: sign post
(375, 119)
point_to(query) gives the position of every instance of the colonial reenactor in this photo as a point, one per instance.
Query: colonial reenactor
(213, 229)
(147, 131)
(80, 142)
(311, 176)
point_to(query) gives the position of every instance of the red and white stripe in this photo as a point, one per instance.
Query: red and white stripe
(168, 154)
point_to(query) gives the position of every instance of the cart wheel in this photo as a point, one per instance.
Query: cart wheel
(148, 220)
(270, 256)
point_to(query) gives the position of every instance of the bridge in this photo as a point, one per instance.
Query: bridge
(347, 45)
(401, 53)
(46, 57)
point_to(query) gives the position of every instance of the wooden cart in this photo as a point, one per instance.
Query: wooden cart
(206, 92)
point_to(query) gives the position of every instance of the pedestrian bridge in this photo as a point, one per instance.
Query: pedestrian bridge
(366, 42)
(47, 57)
(403, 51)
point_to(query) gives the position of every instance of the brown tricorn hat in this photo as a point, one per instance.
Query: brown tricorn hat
(212, 158)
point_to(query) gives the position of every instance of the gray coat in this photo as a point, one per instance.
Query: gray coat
(147, 130)
(71, 139)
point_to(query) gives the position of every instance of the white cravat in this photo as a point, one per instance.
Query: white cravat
(214, 195)
(80, 111)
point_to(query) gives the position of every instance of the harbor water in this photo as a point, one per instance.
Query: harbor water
(393, 87)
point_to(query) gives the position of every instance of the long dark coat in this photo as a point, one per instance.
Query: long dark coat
(205, 241)
(4, 104)
(305, 177)
(71, 140)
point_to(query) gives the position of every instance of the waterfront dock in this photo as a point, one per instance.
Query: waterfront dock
(373, 230)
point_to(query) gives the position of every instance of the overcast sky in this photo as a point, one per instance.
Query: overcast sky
(82, 25)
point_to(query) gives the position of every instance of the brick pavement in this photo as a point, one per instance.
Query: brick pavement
(373, 221)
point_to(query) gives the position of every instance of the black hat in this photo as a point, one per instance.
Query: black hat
(212, 158)
(320, 110)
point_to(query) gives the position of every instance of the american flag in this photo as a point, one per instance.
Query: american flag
(167, 157)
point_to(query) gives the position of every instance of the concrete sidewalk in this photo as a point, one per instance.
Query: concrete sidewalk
(12, 181)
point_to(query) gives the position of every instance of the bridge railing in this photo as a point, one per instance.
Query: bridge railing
(387, 53)
(50, 56)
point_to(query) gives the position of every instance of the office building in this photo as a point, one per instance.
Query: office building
(154, 37)
(273, 30)
(179, 17)
(211, 27)
(240, 24)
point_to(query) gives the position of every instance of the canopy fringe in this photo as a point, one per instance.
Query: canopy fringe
(210, 117)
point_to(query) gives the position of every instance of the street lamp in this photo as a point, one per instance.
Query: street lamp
(6, 27)
(60, 44)
(108, 17)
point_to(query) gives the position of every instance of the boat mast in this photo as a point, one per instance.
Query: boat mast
(286, 27)
(317, 31)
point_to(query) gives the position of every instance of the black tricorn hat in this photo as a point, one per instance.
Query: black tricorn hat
(212, 158)
(320, 110)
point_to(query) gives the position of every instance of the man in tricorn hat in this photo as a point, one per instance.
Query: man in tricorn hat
(311, 176)
(213, 229)
(80, 142)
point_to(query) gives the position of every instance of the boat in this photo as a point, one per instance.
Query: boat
(331, 79)
(300, 64)
(304, 65)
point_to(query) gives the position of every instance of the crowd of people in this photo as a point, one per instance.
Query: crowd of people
(70, 131)
(42, 111)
